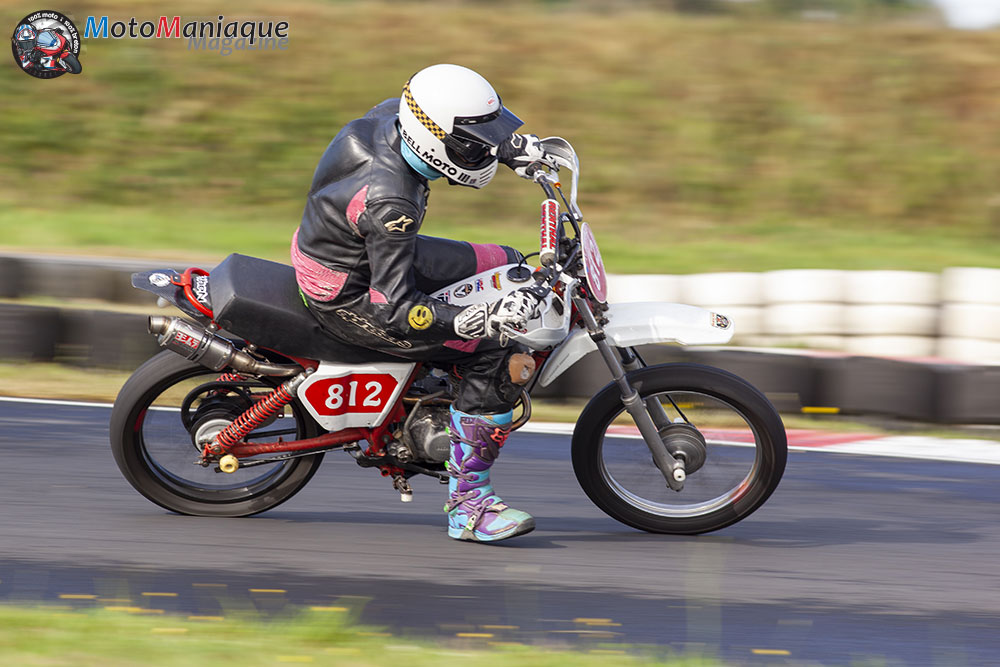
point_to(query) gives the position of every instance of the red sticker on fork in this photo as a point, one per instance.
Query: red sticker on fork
(550, 232)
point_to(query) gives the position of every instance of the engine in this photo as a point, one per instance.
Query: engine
(427, 437)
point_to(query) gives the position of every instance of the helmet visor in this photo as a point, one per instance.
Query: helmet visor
(47, 39)
(490, 129)
(471, 142)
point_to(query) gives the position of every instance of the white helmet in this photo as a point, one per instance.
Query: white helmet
(453, 120)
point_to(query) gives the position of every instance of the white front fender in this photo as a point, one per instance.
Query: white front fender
(632, 324)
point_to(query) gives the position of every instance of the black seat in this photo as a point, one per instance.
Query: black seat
(260, 301)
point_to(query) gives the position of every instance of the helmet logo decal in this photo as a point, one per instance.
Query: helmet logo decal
(424, 119)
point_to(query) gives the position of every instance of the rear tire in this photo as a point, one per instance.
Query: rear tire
(745, 484)
(194, 490)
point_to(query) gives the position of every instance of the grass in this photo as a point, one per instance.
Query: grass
(112, 231)
(708, 143)
(105, 638)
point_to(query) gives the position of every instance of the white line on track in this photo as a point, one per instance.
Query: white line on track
(52, 401)
(964, 450)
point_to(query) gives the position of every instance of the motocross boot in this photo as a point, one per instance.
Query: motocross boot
(475, 511)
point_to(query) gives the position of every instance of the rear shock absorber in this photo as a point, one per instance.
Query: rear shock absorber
(256, 415)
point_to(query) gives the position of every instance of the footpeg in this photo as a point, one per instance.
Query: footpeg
(403, 486)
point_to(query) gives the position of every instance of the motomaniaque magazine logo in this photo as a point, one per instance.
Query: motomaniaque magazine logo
(46, 45)
(215, 34)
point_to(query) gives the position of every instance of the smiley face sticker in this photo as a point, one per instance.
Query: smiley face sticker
(420, 317)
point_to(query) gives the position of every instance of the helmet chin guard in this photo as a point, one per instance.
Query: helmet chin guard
(453, 120)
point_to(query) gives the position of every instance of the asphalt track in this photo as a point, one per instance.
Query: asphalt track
(854, 559)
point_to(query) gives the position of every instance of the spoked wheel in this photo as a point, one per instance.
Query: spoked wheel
(731, 438)
(164, 415)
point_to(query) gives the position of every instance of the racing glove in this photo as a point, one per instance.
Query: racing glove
(488, 320)
(522, 153)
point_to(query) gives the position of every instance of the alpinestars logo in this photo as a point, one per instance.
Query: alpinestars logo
(46, 45)
(399, 224)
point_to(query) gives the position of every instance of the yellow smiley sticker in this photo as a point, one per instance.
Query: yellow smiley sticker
(420, 317)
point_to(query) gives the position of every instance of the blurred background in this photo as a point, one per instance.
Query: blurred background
(826, 172)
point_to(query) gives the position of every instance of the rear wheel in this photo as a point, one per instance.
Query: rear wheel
(163, 416)
(731, 438)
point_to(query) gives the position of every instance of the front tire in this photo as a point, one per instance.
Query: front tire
(616, 469)
(155, 451)
(72, 64)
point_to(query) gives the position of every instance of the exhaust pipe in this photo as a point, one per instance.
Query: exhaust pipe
(201, 345)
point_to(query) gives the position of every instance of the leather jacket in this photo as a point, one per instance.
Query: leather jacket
(358, 249)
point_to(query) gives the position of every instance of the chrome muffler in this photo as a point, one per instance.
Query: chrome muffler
(208, 349)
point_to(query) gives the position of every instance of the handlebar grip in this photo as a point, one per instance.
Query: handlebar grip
(550, 232)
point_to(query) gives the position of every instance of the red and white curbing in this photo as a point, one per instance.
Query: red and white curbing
(958, 450)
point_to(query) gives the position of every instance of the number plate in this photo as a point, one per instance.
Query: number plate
(593, 265)
(342, 396)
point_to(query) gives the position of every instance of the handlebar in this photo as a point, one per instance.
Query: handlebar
(560, 152)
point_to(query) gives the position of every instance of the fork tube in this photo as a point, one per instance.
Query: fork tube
(672, 469)
(632, 362)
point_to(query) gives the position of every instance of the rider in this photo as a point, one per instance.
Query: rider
(366, 274)
(27, 38)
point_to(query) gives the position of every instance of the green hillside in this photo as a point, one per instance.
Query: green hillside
(707, 142)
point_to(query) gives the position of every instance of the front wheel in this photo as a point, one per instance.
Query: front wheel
(728, 433)
(73, 65)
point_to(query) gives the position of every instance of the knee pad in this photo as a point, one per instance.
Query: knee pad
(521, 367)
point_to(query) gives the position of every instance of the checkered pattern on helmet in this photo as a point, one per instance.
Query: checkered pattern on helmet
(421, 116)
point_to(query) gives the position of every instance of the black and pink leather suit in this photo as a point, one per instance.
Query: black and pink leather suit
(363, 268)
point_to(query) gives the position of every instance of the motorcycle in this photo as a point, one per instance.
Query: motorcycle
(51, 53)
(234, 425)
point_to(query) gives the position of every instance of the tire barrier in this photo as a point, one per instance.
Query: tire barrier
(738, 295)
(878, 386)
(890, 319)
(103, 338)
(810, 383)
(969, 285)
(630, 288)
(714, 290)
(794, 381)
(967, 394)
(11, 278)
(970, 314)
(892, 287)
(949, 324)
(804, 286)
(891, 346)
(28, 333)
(98, 279)
(804, 307)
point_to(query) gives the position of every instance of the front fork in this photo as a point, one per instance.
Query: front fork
(648, 415)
